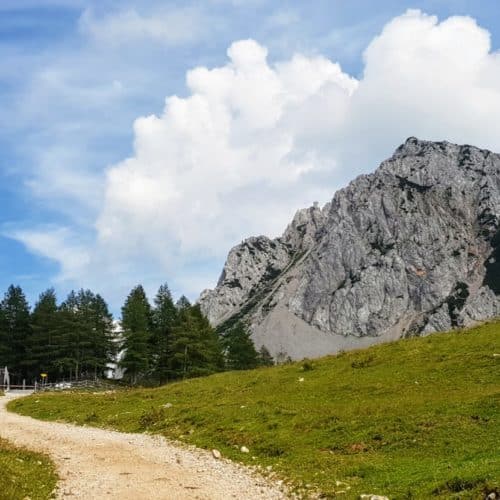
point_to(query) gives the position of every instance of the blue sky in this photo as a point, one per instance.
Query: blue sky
(76, 75)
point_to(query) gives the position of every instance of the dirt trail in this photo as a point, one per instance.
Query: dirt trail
(95, 463)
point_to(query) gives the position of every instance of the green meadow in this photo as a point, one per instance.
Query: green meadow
(417, 418)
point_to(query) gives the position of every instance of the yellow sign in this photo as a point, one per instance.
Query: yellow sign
(43, 375)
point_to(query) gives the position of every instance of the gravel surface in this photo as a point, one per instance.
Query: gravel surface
(95, 463)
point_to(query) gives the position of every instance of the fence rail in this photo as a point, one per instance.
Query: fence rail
(14, 386)
(60, 386)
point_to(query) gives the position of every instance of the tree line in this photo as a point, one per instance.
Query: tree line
(169, 341)
(70, 340)
(156, 343)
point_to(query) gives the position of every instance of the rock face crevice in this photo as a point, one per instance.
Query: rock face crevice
(410, 249)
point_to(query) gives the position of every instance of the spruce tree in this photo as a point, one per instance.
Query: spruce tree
(240, 349)
(42, 346)
(102, 348)
(164, 319)
(5, 346)
(183, 303)
(85, 333)
(70, 338)
(67, 340)
(16, 331)
(136, 324)
(196, 349)
(265, 358)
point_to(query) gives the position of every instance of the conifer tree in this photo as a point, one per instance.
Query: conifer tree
(69, 338)
(196, 349)
(183, 303)
(240, 349)
(16, 331)
(102, 348)
(66, 340)
(42, 346)
(136, 324)
(164, 319)
(84, 332)
(5, 347)
(265, 358)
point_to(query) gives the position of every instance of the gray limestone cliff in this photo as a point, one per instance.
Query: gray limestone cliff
(410, 249)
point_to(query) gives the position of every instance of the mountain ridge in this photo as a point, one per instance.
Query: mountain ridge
(409, 249)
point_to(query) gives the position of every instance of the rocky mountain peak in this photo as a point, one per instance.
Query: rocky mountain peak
(257, 261)
(305, 229)
(410, 249)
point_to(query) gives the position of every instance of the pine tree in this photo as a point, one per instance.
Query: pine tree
(67, 339)
(16, 331)
(265, 358)
(136, 324)
(42, 349)
(5, 346)
(240, 349)
(164, 319)
(70, 337)
(196, 349)
(102, 348)
(84, 332)
(183, 303)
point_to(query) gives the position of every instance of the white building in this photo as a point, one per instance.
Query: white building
(113, 370)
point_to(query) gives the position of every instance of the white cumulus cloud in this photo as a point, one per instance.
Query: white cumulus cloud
(209, 169)
(253, 141)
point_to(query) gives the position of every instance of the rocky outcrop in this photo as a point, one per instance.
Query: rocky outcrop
(410, 249)
(252, 266)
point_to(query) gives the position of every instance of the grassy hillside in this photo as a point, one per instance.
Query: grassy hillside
(417, 418)
(24, 474)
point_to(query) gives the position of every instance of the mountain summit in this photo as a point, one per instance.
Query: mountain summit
(411, 249)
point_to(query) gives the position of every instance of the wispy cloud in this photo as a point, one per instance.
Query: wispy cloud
(13, 5)
(56, 243)
(169, 26)
(282, 18)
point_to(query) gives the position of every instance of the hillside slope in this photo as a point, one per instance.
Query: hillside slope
(417, 418)
(410, 249)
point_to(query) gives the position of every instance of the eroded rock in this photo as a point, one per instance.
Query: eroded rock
(408, 250)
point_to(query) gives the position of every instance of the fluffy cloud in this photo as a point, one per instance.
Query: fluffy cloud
(198, 167)
(254, 141)
(429, 79)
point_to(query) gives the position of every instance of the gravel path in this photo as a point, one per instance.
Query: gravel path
(95, 463)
